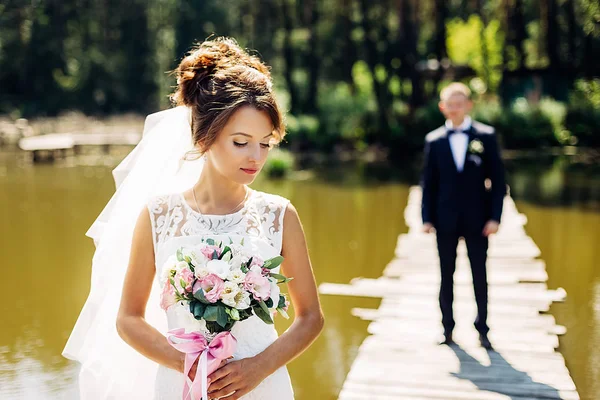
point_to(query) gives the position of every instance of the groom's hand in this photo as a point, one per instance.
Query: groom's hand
(490, 228)
(428, 228)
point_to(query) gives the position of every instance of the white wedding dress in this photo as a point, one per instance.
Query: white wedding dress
(260, 224)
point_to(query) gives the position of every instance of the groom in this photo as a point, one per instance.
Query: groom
(463, 190)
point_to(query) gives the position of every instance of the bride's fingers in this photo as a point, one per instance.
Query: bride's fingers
(228, 391)
(220, 373)
(216, 386)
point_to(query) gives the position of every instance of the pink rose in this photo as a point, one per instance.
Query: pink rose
(167, 297)
(209, 250)
(258, 285)
(257, 261)
(212, 286)
(187, 276)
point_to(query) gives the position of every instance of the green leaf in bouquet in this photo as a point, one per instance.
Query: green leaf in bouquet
(265, 316)
(215, 255)
(210, 242)
(264, 307)
(269, 303)
(273, 262)
(197, 308)
(283, 313)
(245, 314)
(230, 240)
(172, 281)
(242, 242)
(199, 295)
(214, 327)
(282, 300)
(179, 255)
(211, 313)
(233, 313)
(222, 317)
(226, 250)
(280, 278)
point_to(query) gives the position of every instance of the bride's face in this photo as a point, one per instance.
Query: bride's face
(241, 148)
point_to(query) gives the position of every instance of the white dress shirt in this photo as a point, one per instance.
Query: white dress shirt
(459, 142)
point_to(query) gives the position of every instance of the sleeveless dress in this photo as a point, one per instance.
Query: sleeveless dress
(259, 224)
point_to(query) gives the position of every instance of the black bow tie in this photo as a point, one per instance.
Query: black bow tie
(452, 131)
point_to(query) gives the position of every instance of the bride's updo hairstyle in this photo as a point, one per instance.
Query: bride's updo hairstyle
(217, 78)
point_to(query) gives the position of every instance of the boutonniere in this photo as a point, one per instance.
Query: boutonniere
(476, 147)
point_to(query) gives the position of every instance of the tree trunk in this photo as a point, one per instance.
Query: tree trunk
(571, 33)
(288, 55)
(312, 58)
(550, 11)
(372, 61)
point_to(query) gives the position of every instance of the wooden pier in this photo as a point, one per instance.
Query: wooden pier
(56, 145)
(401, 359)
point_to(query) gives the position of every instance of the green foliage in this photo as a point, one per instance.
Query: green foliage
(279, 163)
(469, 42)
(555, 112)
(302, 129)
(525, 126)
(114, 57)
(583, 113)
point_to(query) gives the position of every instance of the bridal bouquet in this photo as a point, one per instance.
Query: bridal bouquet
(221, 284)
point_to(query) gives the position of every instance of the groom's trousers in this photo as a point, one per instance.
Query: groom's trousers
(477, 246)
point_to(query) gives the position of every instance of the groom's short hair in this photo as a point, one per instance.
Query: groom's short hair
(455, 88)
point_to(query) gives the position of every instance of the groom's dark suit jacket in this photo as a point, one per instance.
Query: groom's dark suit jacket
(459, 202)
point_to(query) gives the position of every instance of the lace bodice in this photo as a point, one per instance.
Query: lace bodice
(258, 224)
(260, 217)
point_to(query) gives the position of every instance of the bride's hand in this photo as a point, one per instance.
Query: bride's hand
(192, 374)
(239, 376)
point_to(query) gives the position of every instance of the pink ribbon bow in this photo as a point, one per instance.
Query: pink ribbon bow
(211, 354)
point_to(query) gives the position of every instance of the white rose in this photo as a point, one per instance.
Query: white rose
(230, 291)
(199, 260)
(236, 276)
(180, 266)
(242, 300)
(219, 268)
(236, 262)
(275, 291)
(167, 267)
(257, 269)
(201, 272)
(241, 252)
(227, 256)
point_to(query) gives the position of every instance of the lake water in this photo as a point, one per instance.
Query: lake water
(351, 226)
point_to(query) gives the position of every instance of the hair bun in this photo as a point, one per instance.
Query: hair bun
(195, 71)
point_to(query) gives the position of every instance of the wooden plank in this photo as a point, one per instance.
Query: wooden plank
(401, 360)
(101, 139)
(464, 277)
(375, 344)
(384, 288)
(464, 389)
(371, 372)
(495, 322)
(463, 262)
(62, 141)
(46, 142)
(463, 306)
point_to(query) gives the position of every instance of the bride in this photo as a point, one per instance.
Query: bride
(228, 118)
